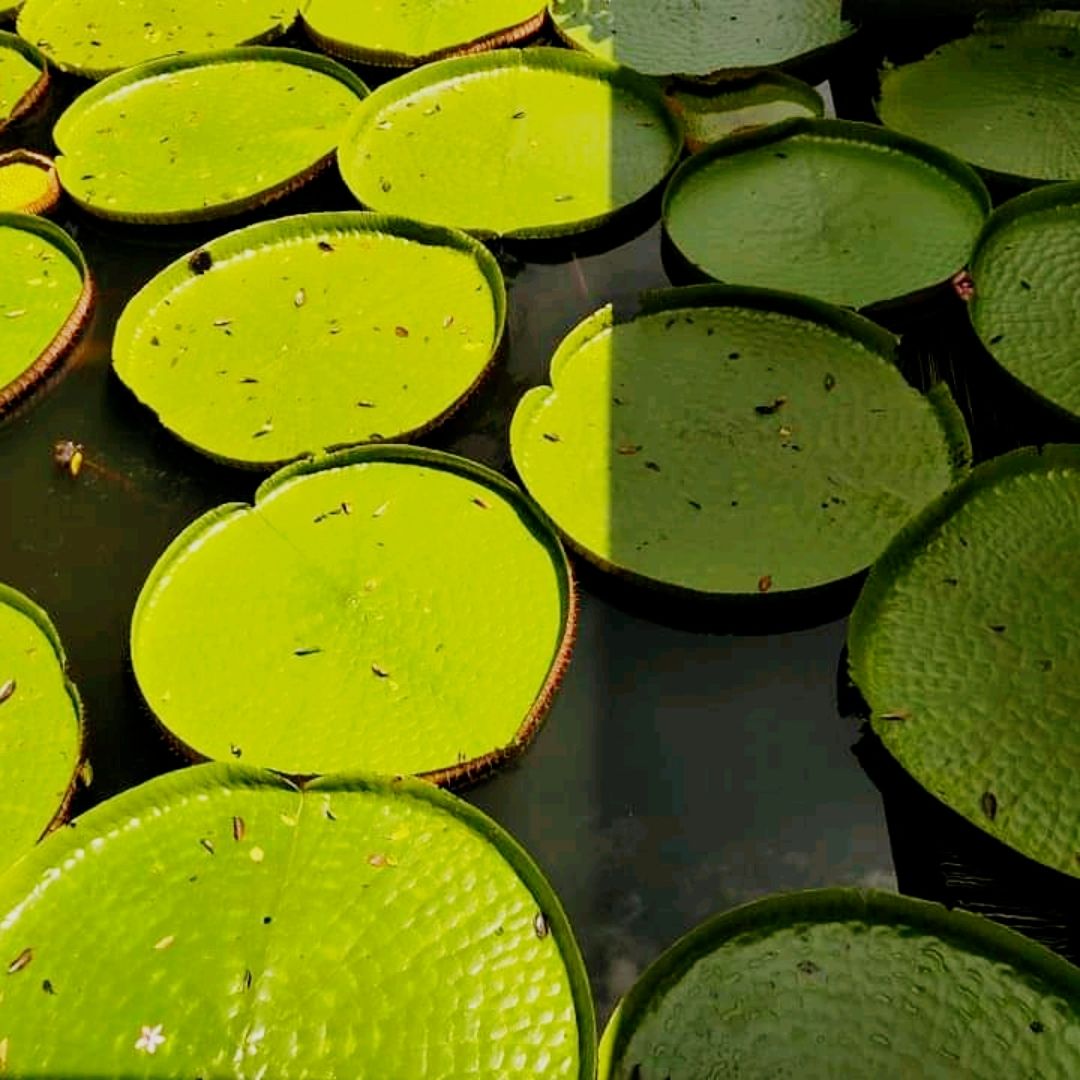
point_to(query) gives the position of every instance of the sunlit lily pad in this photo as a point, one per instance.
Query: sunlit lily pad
(24, 78)
(28, 183)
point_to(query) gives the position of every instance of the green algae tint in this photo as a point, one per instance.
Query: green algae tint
(218, 921)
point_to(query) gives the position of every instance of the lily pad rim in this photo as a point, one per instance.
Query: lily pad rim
(22, 156)
(36, 94)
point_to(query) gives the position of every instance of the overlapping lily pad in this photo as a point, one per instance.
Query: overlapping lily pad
(219, 921)
(40, 726)
(28, 183)
(95, 38)
(24, 78)
(841, 982)
(311, 332)
(964, 643)
(45, 297)
(842, 211)
(418, 620)
(534, 142)
(407, 32)
(731, 441)
(178, 140)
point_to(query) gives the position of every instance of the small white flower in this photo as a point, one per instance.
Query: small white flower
(150, 1038)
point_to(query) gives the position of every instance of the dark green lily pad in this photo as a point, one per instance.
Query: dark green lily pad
(24, 78)
(95, 38)
(1026, 270)
(178, 140)
(697, 37)
(732, 441)
(966, 645)
(45, 302)
(41, 732)
(312, 332)
(420, 617)
(842, 211)
(535, 142)
(28, 183)
(1006, 99)
(839, 982)
(410, 32)
(218, 921)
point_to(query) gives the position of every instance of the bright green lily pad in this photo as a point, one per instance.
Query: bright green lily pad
(95, 38)
(842, 211)
(1026, 270)
(178, 139)
(733, 441)
(966, 645)
(40, 726)
(401, 33)
(217, 921)
(698, 37)
(1007, 98)
(28, 183)
(23, 78)
(45, 298)
(311, 332)
(839, 982)
(531, 142)
(419, 620)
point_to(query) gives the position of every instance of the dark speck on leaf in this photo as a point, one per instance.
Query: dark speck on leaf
(200, 261)
(1037, 1027)
(764, 583)
(694, 503)
(773, 406)
(481, 503)
(996, 338)
(154, 341)
(1046, 665)
(733, 356)
(325, 245)
(780, 154)
(365, 404)
(307, 652)
(381, 672)
(207, 845)
(998, 628)
(808, 967)
(267, 920)
(551, 436)
(235, 750)
(951, 581)
(519, 115)
(47, 986)
(652, 466)
(829, 381)
(385, 185)
(1025, 284)
(988, 802)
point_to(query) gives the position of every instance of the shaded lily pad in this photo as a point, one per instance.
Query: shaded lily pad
(41, 733)
(46, 293)
(839, 982)
(842, 211)
(28, 183)
(410, 32)
(420, 617)
(218, 920)
(574, 139)
(95, 38)
(177, 139)
(964, 644)
(732, 441)
(24, 78)
(311, 332)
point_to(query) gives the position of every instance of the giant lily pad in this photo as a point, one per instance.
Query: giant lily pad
(98, 37)
(24, 78)
(1026, 270)
(28, 183)
(528, 142)
(840, 982)
(314, 331)
(697, 37)
(733, 441)
(964, 643)
(40, 726)
(218, 921)
(178, 140)
(842, 211)
(401, 33)
(1007, 98)
(45, 298)
(419, 620)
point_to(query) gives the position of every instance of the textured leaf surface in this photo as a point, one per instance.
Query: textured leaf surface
(731, 441)
(831, 209)
(24, 183)
(418, 608)
(965, 645)
(311, 332)
(178, 139)
(845, 983)
(217, 922)
(18, 75)
(539, 141)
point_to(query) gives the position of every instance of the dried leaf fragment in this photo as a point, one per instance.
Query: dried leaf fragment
(20, 961)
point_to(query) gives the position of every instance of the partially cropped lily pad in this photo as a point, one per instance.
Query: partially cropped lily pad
(28, 182)
(408, 32)
(698, 37)
(24, 78)
(40, 726)
(418, 621)
(218, 921)
(966, 645)
(178, 139)
(733, 441)
(842, 211)
(311, 332)
(841, 982)
(45, 298)
(528, 142)
(1007, 98)
(1026, 270)
(95, 38)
